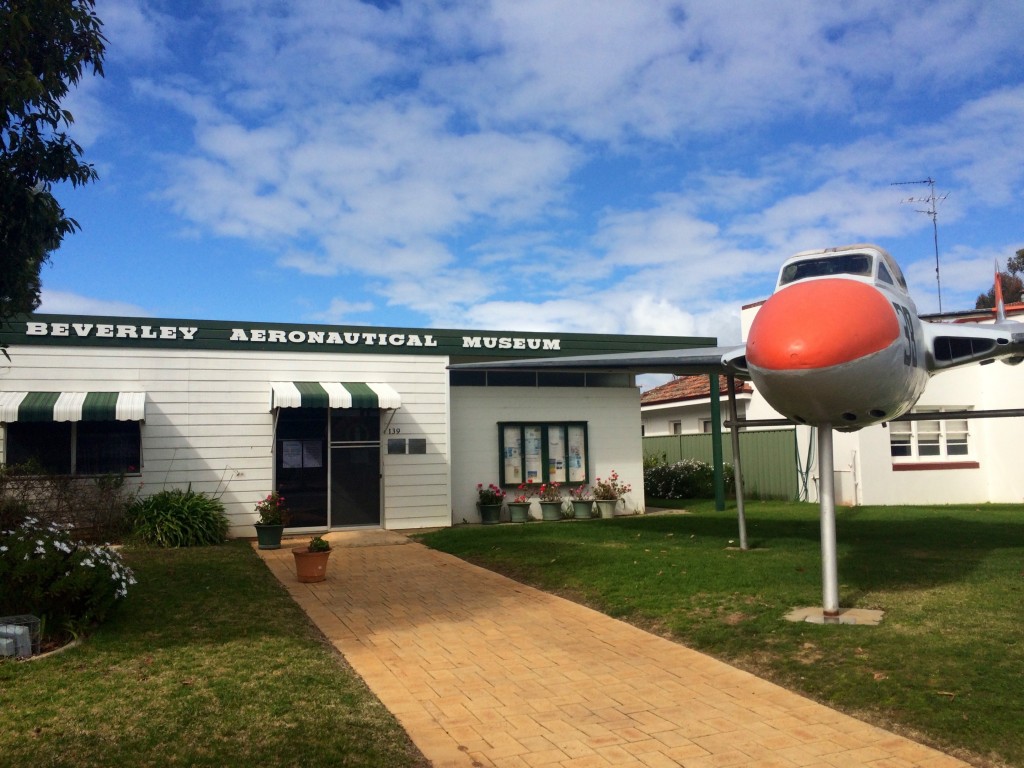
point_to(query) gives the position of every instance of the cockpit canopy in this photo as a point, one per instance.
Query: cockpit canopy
(867, 262)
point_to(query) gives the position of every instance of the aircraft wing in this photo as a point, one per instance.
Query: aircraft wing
(682, 362)
(949, 345)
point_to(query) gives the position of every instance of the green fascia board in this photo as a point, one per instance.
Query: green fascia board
(457, 345)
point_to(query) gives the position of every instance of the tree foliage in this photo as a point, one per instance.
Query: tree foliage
(45, 47)
(1011, 281)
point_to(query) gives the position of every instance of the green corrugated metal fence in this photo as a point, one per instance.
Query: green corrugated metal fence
(768, 457)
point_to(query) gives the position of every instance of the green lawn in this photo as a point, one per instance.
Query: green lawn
(946, 665)
(207, 663)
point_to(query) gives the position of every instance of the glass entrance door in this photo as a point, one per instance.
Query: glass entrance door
(355, 467)
(301, 460)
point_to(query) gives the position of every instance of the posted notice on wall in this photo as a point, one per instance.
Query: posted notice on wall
(302, 454)
(533, 459)
(556, 454)
(513, 456)
(577, 455)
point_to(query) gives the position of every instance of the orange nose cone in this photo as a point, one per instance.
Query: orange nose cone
(819, 324)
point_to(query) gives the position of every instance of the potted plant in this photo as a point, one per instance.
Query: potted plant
(489, 501)
(550, 501)
(311, 560)
(582, 502)
(519, 507)
(608, 492)
(273, 517)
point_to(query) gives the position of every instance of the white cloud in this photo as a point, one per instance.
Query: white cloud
(68, 303)
(135, 30)
(559, 164)
(341, 311)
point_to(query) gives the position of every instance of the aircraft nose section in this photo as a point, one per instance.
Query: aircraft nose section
(820, 324)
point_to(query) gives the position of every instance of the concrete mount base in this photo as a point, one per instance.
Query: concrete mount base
(865, 616)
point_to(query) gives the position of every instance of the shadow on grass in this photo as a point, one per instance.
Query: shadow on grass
(180, 600)
(879, 548)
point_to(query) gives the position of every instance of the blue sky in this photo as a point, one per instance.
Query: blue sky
(607, 166)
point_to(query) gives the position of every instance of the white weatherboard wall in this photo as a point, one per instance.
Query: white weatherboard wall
(208, 419)
(613, 427)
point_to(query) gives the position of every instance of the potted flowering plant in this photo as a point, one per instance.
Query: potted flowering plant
(311, 560)
(273, 517)
(608, 492)
(489, 501)
(582, 502)
(550, 501)
(519, 507)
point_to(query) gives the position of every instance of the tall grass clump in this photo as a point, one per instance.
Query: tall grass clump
(178, 518)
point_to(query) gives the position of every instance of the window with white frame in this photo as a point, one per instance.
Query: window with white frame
(675, 427)
(929, 440)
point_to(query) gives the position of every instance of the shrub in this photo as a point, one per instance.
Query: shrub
(177, 518)
(686, 479)
(68, 584)
(94, 507)
(654, 460)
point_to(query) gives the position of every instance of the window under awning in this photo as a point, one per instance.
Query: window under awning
(325, 394)
(72, 406)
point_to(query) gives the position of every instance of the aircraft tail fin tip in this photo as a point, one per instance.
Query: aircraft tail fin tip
(1000, 306)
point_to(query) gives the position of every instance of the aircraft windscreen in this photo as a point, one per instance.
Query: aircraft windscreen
(847, 264)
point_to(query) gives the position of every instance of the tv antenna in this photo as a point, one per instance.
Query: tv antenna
(932, 200)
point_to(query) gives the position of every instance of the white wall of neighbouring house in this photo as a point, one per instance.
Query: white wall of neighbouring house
(209, 423)
(613, 425)
(992, 442)
(658, 417)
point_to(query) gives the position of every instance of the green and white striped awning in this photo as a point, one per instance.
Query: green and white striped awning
(332, 394)
(72, 406)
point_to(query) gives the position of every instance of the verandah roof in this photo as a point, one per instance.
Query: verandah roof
(72, 406)
(324, 394)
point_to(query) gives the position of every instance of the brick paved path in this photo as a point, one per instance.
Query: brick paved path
(483, 671)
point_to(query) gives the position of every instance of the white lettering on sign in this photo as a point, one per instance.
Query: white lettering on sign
(110, 331)
(279, 336)
(509, 342)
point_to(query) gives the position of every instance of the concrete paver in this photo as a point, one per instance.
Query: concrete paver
(483, 671)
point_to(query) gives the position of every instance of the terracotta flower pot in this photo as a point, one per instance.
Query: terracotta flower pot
(310, 567)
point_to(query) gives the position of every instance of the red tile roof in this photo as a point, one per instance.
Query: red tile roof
(689, 388)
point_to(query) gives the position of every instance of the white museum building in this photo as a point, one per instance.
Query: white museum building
(353, 425)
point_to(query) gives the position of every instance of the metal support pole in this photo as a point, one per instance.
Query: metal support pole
(716, 442)
(737, 466)
(827, 500)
